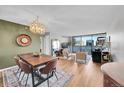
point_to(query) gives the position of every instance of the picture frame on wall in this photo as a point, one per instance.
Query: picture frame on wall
(23, 40)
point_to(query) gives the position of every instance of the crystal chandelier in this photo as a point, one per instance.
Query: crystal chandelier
(37, 27)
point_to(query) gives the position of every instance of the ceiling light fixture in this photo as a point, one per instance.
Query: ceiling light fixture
(37, 27)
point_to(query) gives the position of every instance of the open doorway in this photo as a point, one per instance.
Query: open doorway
(55, 46)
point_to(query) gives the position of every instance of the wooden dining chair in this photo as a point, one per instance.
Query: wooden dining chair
(17, 63)
(49, 69)
(26, 68)
(17, 59)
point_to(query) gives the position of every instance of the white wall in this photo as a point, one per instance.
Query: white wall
(59, 37)
(118, 45)
(117, 38)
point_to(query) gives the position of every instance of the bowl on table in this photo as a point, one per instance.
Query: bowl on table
(35, 54)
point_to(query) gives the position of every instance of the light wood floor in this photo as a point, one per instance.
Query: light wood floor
(84, 75)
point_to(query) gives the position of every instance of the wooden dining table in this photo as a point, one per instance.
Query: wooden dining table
(35, 62)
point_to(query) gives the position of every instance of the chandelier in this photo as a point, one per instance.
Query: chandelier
(37, 27)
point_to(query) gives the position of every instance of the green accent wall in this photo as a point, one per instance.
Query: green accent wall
(8, 46)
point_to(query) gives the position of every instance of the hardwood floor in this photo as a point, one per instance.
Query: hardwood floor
(84, 75)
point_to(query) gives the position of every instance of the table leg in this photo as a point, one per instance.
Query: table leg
(42, 79)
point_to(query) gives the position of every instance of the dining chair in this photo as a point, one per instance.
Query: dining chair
(17, 59)
(17, 63)
(49, 69)
(26, 68)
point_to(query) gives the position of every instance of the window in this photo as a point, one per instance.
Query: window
(85, 42)
(77, 41)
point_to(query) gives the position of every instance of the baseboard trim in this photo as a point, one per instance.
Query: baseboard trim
(7, 68)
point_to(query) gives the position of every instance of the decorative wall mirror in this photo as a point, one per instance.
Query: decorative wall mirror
(23, 40)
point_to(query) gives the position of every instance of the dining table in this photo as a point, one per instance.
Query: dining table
(35, 62)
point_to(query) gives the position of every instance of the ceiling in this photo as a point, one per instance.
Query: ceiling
(66, 20)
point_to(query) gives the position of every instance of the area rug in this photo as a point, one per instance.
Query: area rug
(10, 79)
